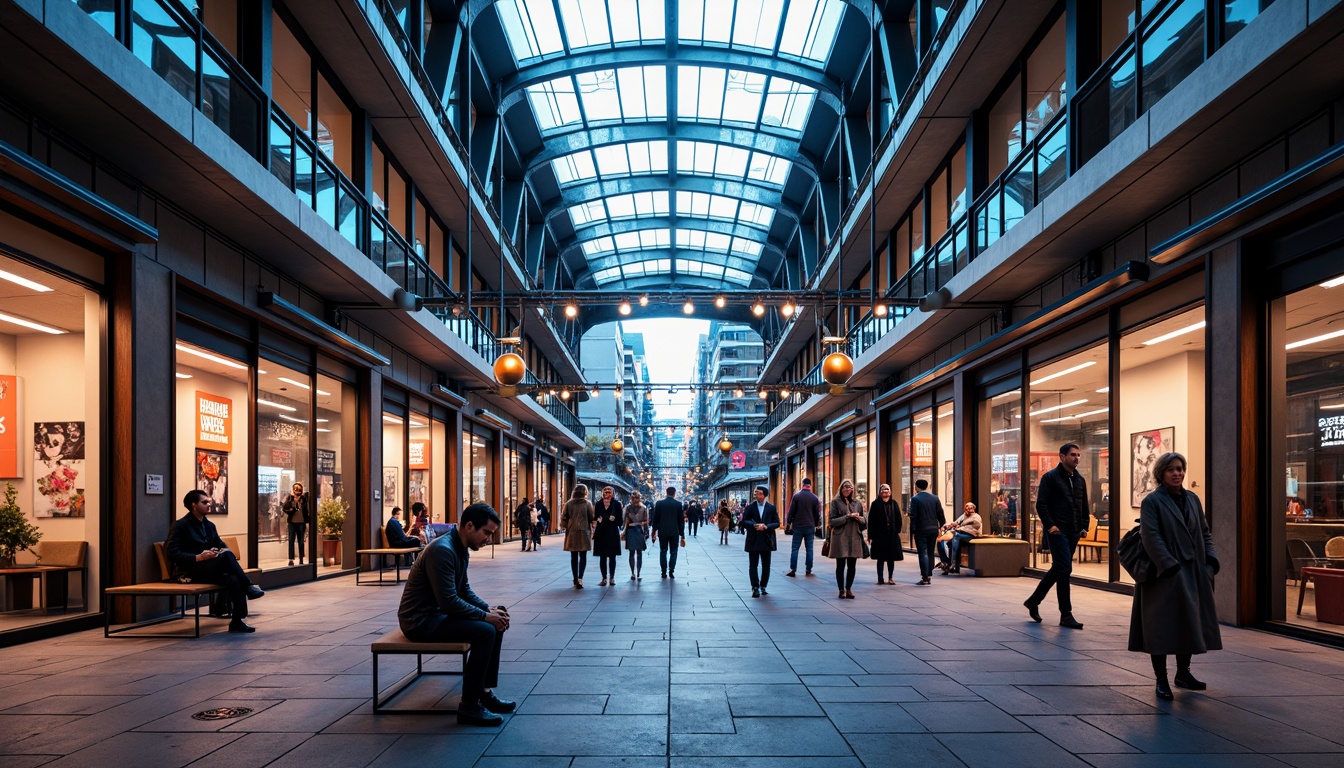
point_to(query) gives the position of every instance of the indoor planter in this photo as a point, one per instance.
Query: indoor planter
(330, 523)
(16, 533)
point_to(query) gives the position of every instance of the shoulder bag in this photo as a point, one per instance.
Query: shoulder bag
(1133, 557)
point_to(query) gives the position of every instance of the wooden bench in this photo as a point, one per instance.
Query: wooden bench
(397, 553)
(397, 644)
(1097, 540)
(993, 556)
(168, 587)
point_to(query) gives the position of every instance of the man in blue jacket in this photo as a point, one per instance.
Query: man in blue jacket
(439, 606)
(1062, 506)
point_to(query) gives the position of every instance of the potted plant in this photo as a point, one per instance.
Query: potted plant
(330, 523)
(16, 533)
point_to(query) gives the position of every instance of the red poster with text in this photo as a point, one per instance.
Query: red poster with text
(10, 466)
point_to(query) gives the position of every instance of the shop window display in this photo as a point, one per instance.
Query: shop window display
(944, 461)
(50, 429)
(1312, 515)
(393, 476)
(284, 434)
(334, 462)
(1001, 431)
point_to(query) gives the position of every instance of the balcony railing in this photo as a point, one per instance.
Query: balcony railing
(568, 420)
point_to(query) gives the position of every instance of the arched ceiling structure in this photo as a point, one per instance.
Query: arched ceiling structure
(672, 143)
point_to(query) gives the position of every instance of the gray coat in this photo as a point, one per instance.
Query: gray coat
(1174, 612)
(846, 534)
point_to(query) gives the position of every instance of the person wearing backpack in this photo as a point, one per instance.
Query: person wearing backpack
(1173, 610)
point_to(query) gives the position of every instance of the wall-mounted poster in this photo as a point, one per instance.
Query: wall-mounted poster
(11, 466)
(391, 480)
(419, 487)
(212, 476)
(326, 461)
(418, 454)
(1144, 448)
(214, 422)
(58, 464)
(946, 490)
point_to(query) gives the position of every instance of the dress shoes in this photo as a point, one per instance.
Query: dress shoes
(755, 593)
(1033, 611)
(240, 626)
(1067, 620)
(792, 574)
(925, 582)
(1164, 689)
(475, 714)
(497, 705)
(1186, 680)
(254, 592)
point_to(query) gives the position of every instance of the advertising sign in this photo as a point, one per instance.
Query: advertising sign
(214, 422)
(419, 454)
(10, 466)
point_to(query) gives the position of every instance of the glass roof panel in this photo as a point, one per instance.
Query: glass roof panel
(705, 205)
(756, 22)
(555, 104)
(530, 27)
(636, 158)
(710, 94)
(703, 158)
(626, 271)
(700, 240)
(605, 96)
(787, 104)
(810, 28)
(620, 207)
(585, 23)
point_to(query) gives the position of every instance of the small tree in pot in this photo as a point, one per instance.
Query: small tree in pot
(16, 533)
(330, 523)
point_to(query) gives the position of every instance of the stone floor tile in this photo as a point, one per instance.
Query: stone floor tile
(1317, 715)
(1256, 732)
(1184, 761)
(700, 709)
(615, 735)
(765, 737)
(872, 718)
(900, 749)
(772, 701)
(1162, 734)
(296, 715)
(950, 716)
(1075, 735)
(767, 762)
(1008, 750)
(336, 751)
(252, 750)
(587, 704)
(147, 750)
(432, 749)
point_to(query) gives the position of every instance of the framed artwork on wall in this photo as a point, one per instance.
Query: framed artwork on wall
(1144, 448)
(946, 490)
(391, 481)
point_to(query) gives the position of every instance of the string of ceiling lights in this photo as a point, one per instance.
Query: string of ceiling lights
(571, 303)
(590, 391)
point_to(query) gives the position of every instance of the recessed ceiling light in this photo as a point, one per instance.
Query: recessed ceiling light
(1174, 334)
(1335, 283)
(26, 323)
(36, 286)
(1058, 407)
(1295, 344)
(213, 358)
(184, 375)
(1064, 372)
(282, 407)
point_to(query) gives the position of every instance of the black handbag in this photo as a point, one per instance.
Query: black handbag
(1133, 557)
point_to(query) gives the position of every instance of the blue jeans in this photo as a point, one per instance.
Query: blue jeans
(1062, 546)
(924, 544)
(949, 552)
(801, 534)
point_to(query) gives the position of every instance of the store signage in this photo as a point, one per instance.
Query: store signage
(214, 421)
(10, 466)
(923, 452)
(326, 461)
(282, 457)
(738, 460)
(419, 454)
(1330, 431)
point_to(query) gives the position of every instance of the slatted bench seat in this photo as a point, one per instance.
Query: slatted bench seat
(377, 554)
(397, 644)
(991, 556)
(168, 587)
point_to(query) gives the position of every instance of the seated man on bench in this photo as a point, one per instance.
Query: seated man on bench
(196, 552)
(439, 606)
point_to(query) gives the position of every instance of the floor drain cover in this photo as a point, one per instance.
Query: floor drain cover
(223, 713)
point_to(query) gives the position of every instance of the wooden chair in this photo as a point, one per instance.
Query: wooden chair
(69, 554)
(1334, 548)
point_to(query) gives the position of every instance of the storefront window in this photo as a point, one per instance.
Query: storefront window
(944, 461)
(477, 476)
(337, 413)
(394, 466)
(514, 483)
(1161, 407)
(823, 484)
(1069, 402)
(1313, 514)
(902, 483)
(51, 379)
(284, 421)
(1001, 431)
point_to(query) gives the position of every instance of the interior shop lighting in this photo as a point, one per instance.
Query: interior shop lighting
(1075, 416)
(1174, 334)
(1005, 431)
(1294, 345)
(322, 429)
(1057, 407)
(1335, 407)
(390, 419)
(294, 419)
(1064, 372)
(30, 324)
(213, 358)
(36, 286)
(301, 384)
(184, 375)
(1335, 283)
(1103, 390)
(944, 414)
(415, 423)
(281, 406)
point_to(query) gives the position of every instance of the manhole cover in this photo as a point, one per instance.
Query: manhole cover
(223, 713)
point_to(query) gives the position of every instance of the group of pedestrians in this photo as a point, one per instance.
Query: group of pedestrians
(604, 526)
(532, 519)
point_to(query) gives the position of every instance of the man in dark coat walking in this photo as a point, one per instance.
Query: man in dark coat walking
(522, 520)
(693, 516)
(760, 520)
(668, 523)
(1061, 504)
(926, 517)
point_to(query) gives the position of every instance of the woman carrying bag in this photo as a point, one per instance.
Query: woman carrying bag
(884, 532)
(636, 533)
(845, 538)
(725, 521)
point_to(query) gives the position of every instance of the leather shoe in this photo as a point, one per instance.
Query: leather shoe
(763, 592)
(495, 704)
(475, 714)
(1164, 689)
(238, 625)
(793, 574)
(755, 593)
(1068, 621)
(1033, 612)
(254, 592)
(1186, 680)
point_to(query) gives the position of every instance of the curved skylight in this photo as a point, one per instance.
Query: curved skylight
(604, 96)
(702, 158)
(620, 207)
(649, 158)
(706, 206)
(635, 158)
(808, 32)
(533, 29)
(715, 95)
(657, 267)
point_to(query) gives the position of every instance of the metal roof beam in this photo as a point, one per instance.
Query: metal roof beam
(750, 192)
(736, 136)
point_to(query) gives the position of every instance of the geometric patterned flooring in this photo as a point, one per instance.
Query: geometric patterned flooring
(684, 673)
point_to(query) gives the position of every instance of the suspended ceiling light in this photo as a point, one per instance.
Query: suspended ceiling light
(564, 394)
(571, 310)
(738, 392)
(762, 394)
(183, 375)
(720, 301)
(688, 308)
(725, 445)
(595, 392)
(1335, 283)
(624, 308)
(758, 309)
(36, 286)
(1066, 372)
(837, 367)
(788, 308)
(510, 368)
(880, 309)
(617, 392)
(644, 300)
(784, 393)
(213, 358)
(1175, 333)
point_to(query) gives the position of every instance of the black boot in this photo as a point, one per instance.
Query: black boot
(1186, 680)
(1067, 620)
(1164, 688)
(1033, 612)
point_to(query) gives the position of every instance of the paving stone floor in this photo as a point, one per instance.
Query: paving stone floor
(684, 673)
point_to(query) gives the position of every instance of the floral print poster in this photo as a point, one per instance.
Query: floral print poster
(58, 461)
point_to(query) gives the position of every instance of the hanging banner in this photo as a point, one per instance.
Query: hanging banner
(10, 401)
(214, 422)
(419, 454)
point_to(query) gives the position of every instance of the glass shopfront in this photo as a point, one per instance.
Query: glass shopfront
(1310, 519)
(823, 484)
(515, 484)
(51, 385)
(284, 419)
(477, 464)
(858, 462)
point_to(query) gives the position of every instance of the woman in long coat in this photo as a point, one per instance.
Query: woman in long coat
(884, 532)
(607, 533)
(846, 523)
(636, 533)
(1173, 610)
(725, 521)
(577, 521)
